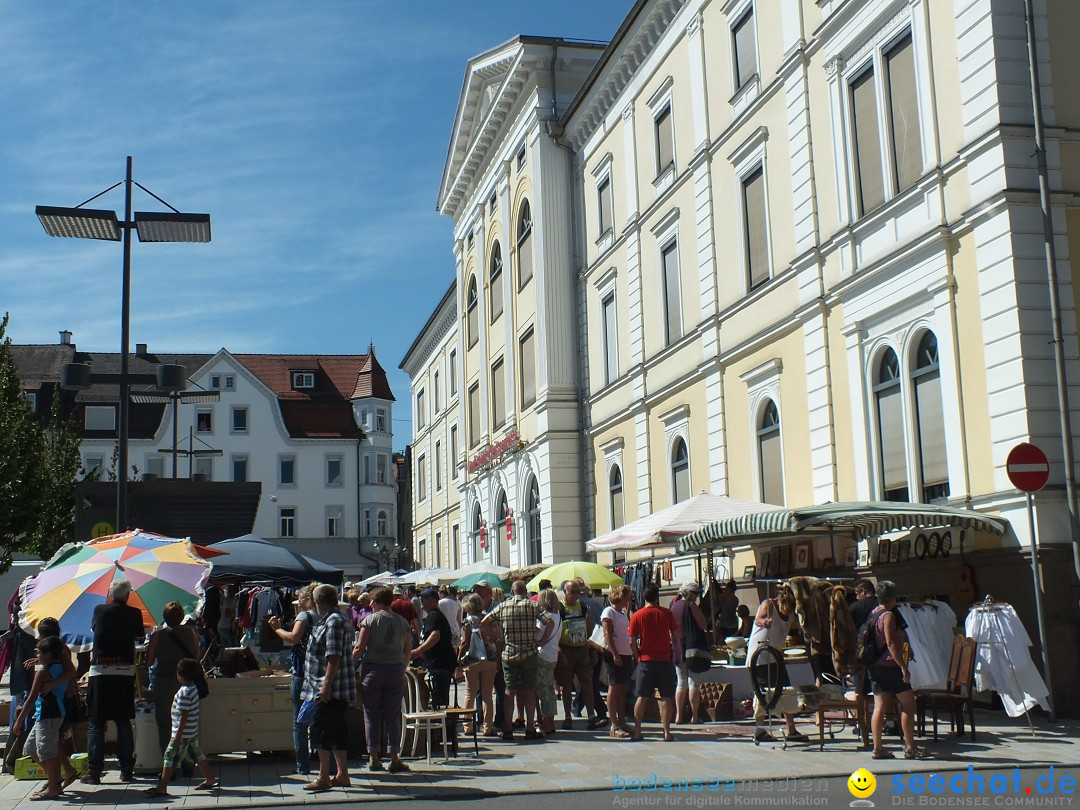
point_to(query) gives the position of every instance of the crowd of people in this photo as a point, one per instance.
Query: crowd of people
(515, 656)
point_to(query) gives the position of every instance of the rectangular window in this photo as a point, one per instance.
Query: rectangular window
(665, 141)
(525, 255)
(422, 553)
(756, 233)
(333, 471)
(230, 382)
(287, 471)
(335, 516)
(521, 158)
(421, 409)
(99, 417)
(380, 420)
(742, 34)
(155, 465)
(611, 339)
(215, 381)
(31, 400)
(239, 420)
(435, 393)
(204, 421)
(904, 114)
(382, 468)
(869, 177)
(287, 521)
(454, 546)
(495, 289)
(453, 373)
(438, 548)
(891, 441)
(672, 291)
(452, 461)
(492, 201)
(932, 460)
(94, 463)
(367, 469)
(498, 394)
(438, 466)
(204, 468)
(303, 379)
(528, 369)
(772, 467)
(606, 210)
(469, 240)
(474, 415)
(367, 522)
(421, 478)
(239, 469)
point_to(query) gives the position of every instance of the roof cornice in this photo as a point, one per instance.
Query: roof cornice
(441, 322)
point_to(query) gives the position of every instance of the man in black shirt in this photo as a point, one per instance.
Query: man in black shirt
(865, 602)
(111, 692)
(436, 648)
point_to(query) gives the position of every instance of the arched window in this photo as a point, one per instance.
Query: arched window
(930, 420)
(616, 493)
(495, 282)
(382, 524)
(770, 459)
(477, 525)
(680, 471)
(472, 308)
(534, 543)
(524, 244)
(890, 428)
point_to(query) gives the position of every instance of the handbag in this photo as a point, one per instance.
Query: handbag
(306, 715)
(697, 659)
(477, 651)
(597, 640)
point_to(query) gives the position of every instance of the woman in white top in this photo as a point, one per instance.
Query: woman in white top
(774, 619)
(547, 655)
(618, 657)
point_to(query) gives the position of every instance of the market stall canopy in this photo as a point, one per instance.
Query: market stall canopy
(595, 576)
(665, 527)
(385, 578)
(427, 576)
(252, 559)
(78, 577)
(857, 519)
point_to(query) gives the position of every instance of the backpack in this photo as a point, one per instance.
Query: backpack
(867, 651)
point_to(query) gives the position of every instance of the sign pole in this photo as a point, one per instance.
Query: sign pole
(1036, 575)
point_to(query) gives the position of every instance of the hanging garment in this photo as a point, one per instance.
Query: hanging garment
(1003, 662)
(929, 668)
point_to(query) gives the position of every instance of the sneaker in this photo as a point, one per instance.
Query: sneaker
(90, 779)
(761, 735)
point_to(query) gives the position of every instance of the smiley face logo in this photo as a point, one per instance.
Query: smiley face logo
(862, 784)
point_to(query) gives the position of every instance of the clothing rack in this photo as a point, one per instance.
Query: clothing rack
(988, 605)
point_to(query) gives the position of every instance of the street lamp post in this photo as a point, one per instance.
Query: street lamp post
(90, 223)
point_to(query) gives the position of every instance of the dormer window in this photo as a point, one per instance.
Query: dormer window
(303, 379)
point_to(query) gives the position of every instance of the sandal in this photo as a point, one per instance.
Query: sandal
(397, 766)
(797, 736)
(42, 796)
(594, 723)
(881, 753)
(207, 785)
(618, 734)
(916, 753)
(155, 792)
(318, 786)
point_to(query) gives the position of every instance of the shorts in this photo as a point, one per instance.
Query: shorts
(520, 674)
(575, 661)
(43, 741)
(888, 680)
(329, 729)
(187, 749)
(686, 678)
(658, 675)
(618, 674)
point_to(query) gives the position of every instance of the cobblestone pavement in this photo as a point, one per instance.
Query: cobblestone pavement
(582, 760)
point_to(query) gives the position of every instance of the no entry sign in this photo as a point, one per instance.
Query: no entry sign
(1027, 467)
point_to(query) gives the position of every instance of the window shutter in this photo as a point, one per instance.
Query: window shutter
(904, 114)
(871, 181)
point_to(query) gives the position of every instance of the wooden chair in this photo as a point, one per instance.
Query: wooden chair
(417, 719)
(456, 714)
(957, 694)
(855, 709)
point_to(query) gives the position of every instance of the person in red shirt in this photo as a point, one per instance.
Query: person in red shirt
(404, 607)
(652, 629)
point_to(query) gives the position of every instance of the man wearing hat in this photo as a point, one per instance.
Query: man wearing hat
(436, 649)
(689, 684)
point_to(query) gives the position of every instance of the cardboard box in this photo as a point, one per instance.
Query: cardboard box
(26, 768)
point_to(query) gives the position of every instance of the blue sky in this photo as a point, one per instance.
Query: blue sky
(313, 133)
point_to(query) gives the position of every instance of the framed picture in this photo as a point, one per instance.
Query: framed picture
(750, 572)
(883, 551)
(824, 563)
(783, 565)
(765, 563)
(903, 550)
(864, 558)
(851, 556)
(803, 556)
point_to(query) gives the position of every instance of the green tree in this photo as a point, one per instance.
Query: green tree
(38, 467)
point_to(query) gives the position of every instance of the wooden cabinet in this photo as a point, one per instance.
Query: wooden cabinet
(247, 714)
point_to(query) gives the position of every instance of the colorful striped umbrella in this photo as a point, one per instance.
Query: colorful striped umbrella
(77, 579)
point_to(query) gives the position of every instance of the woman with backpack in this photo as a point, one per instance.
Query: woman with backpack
(168, 646)
(298, 638)
(889, 673)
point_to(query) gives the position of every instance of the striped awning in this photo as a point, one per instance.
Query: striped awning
(856, 519)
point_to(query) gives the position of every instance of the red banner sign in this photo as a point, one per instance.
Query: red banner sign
(509, 529)
(494, 451)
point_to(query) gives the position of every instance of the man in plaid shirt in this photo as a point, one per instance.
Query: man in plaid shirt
(520, 619)
(329, 678)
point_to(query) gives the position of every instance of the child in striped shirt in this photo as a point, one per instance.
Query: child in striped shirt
(185, 730)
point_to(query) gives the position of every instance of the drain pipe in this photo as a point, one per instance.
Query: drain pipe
(1052, 282)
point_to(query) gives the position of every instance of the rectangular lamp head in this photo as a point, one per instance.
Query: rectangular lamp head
(169, 227)
(79, 223)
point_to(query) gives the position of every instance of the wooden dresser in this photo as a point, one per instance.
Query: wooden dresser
(247, 714)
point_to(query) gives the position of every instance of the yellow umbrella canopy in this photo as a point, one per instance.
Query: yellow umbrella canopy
(595, 576)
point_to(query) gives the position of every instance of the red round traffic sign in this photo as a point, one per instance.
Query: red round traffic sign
(1027, 467)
